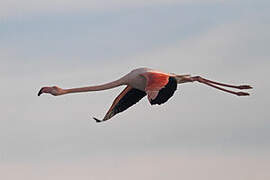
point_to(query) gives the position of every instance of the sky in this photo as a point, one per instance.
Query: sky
(200, 133)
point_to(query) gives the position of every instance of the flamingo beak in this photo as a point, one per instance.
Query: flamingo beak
(40, 91)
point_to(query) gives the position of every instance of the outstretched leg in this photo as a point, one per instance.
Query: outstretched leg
(222, 84)
(211, 83)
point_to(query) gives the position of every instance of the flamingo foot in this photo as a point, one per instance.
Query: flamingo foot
(242, 94)
(245, 87)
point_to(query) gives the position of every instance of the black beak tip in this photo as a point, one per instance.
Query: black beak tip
(40, 92)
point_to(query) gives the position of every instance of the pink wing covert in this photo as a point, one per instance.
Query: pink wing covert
(154, 82)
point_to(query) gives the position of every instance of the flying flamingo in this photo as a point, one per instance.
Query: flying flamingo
(157, 85)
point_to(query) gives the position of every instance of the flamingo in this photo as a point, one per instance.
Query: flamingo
(158, 86)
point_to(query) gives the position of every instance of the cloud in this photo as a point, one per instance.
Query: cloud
(20, 7)
(158, 166)
(235, 45)
(37, 128)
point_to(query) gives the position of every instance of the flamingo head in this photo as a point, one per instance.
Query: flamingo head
(54, 90)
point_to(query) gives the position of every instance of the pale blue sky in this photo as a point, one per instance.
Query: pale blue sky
(200, 132)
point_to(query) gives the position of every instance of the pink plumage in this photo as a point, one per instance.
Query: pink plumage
(158, 86)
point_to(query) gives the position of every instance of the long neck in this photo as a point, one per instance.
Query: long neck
(110, 85)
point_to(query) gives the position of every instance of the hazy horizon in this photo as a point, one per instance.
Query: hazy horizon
(200, 133)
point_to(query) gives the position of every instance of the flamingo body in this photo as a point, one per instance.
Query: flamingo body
(158, 86)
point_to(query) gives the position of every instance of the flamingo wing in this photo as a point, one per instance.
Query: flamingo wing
(160, 87)
(128, 97)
